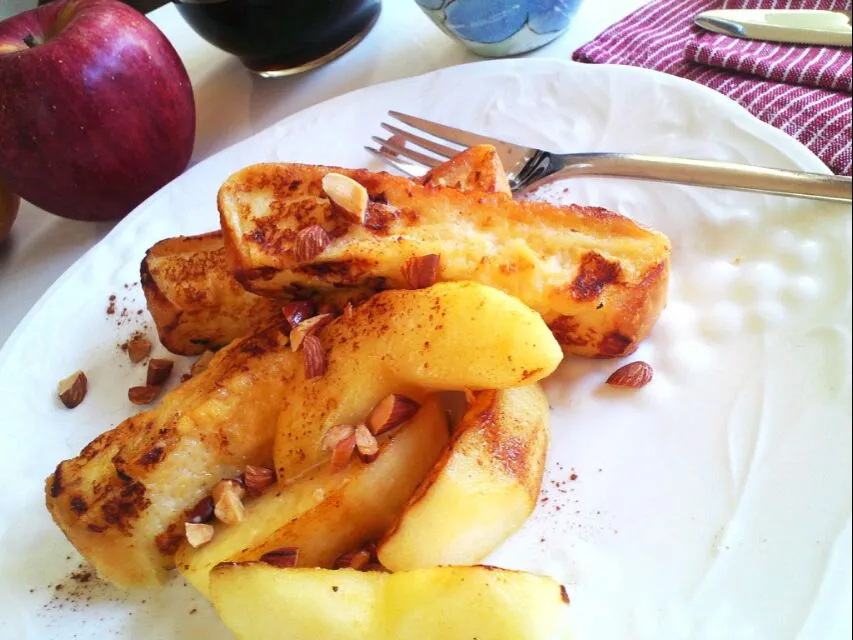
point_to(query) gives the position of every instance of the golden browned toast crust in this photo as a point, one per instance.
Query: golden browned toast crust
(121, 502)
(599, 279)
(195, 303)
(477, 168)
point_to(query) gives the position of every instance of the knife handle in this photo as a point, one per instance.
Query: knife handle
(796, 26)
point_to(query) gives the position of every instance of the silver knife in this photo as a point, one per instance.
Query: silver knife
(797, 26)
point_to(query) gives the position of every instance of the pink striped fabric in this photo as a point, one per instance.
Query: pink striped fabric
(820, 67)
(802, 90)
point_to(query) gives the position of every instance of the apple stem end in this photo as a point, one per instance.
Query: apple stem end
(31, 41)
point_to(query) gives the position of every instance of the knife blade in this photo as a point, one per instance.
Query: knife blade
(797, 26)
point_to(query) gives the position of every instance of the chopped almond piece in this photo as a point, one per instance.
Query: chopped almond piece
(159, 370)
(421, 272)
(342, 453)
(72, 390)
(296, 311)
(632, 375)
(229, 507)
(313, 357)
(229, 484)
(391, 412)
(142, 395)
(201, 512)
(335, 434)
(308, 327)
(366, 444)
(198, 534)
(256, 479)
(138, 348)
(348, 197)
(310, 243)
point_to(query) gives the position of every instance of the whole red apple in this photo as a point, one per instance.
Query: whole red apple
(96, 108)
(9, 203)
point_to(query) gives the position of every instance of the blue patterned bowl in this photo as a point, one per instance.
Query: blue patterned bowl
(496, 28)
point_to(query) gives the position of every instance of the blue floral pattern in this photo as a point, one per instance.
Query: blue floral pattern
(485, 20)
(502, 27)
(550, 16)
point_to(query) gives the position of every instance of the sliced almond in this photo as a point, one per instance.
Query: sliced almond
(201, 363)
(357, 560)
(138, 348)
(72, 390)
(159, 370)
(143, 395)
(366, 444)
(284, 558)
(349, 198)
(198, 534)
(342, 453)
(421, 272)
(229, 484)
(228, 508)
(391, 412)
(335, 434)
(308, 327)
(297, 310)
(202, 511)
(313, 357)
(310, 243)
(256, 479)
(632, 375)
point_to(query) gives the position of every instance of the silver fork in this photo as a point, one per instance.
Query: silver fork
(528, 168)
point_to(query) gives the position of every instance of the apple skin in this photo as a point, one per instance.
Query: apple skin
(9, 204)
(98, 116)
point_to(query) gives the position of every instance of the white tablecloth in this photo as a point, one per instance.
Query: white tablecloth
(233, 104)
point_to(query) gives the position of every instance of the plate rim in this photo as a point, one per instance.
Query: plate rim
(752, 136)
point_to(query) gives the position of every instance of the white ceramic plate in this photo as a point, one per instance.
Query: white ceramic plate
(714, 503)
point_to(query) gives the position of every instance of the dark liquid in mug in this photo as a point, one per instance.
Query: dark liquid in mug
(279, 34)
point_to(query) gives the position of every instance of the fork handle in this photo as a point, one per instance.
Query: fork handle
(703, 173)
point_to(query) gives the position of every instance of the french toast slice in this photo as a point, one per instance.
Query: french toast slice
(598, 278)
(121, 501)
(477, 168)
(196, 303)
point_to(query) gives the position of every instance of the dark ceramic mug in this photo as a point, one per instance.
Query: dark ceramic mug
(281, 37)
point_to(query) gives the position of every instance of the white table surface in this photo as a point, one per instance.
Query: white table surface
(232, 104)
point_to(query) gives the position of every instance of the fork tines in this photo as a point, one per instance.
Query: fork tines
(402, 148)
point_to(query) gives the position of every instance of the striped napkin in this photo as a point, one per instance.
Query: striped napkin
(802, 90)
